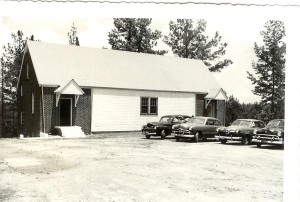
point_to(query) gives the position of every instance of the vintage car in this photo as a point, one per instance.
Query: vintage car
(163, 128)
(197, 128)
(240, 130)
(272, 134)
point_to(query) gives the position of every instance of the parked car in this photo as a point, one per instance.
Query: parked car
(272, 134)
(163, 128)
(240, 130)
(197, 128)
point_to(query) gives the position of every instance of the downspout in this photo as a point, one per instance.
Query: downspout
(43, 111)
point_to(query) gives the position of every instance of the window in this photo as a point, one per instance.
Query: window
(27, 71)
(22, 118)
(217, 123)
(32, 103)
(149, 105)
(21, 89)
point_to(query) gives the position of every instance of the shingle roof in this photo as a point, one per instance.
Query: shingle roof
(91, 67)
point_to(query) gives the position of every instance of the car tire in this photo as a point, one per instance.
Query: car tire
(258, 145)
(196, 137)
(162, 134)
(245, 140)
(223, 141)
(147, 136)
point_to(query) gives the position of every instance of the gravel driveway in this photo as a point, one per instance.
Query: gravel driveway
(128, 167)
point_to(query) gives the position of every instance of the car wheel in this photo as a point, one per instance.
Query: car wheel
(245, 140)
(258, 145)
(196, 137)
(223, 141)
(148, 136)
(162, 134)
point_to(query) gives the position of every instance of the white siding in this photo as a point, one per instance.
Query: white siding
(119, 110)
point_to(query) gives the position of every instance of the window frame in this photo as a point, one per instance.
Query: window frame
(149, 106)
(32, 102)
(27, 71)
(21, 90)
(22, 118)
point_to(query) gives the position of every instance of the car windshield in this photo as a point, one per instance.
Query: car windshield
(191, 120)
(245, 123)
(241, 123)
(166, 119)
(275, 123)
(200, 121)
(236, 123)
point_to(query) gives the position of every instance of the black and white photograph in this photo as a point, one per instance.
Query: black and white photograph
(149, 101)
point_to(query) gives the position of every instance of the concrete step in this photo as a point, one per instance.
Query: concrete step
(70, 131)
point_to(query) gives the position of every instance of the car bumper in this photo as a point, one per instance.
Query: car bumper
(273, 142)
(222, 137)
(149, 131)
(183, 134)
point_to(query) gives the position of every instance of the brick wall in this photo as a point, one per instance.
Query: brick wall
(31, 125)
(81, 114)
(200, 104)
(221, 110)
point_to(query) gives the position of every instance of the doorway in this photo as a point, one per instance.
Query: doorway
(65, 112)
(211, 109)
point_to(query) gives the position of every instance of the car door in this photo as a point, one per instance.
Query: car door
(209, 129)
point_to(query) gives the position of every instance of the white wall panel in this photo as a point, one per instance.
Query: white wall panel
(119, 110)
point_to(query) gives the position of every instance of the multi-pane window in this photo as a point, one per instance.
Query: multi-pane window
(22, 118)
(32, 103)
(27, 71)
(148, 105)
(21, 89)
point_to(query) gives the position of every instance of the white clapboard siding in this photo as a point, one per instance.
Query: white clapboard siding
(119, 110)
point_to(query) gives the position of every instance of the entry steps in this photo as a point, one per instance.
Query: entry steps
(70, 131)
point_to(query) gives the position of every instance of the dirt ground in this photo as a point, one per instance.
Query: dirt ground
(128, 167)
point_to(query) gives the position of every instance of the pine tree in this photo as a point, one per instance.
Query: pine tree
(188, 41)
(134, 34)
(269, 77)
(11, 63)
(73, 38)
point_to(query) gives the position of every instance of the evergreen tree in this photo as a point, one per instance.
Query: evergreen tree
(135, 35)
(269, 77)
(73, 38)
(233, 110)
(11, 63)
(188, 41)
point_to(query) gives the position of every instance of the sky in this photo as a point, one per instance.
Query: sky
(239, 26)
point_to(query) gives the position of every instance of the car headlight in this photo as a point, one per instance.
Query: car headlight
(254, 132)
(191, 128)
(237, 131)
(279, 133)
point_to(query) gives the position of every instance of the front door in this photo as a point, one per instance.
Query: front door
(211, 109)
(65, 112)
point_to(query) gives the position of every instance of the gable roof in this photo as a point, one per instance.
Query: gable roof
(92, 67)
(216, 94)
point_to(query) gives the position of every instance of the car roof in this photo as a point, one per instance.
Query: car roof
(207, 117)
(277, 120)
(176, 115)
(249, 120)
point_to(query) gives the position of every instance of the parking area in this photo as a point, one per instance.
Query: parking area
(129, 167)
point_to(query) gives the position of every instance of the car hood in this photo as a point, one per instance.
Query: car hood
(185, 125)
(157, 124)
(272, 130)
(233, 128)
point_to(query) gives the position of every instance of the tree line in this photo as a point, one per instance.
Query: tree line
(186, 39)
